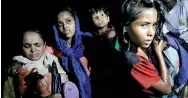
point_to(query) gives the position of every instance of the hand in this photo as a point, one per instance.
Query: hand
(159, 45)
(111, 34)
(54, 96)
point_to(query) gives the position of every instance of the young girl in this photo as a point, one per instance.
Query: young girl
(145, 77)
(69, 38)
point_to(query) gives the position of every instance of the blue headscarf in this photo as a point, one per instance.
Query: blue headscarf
(73, 54)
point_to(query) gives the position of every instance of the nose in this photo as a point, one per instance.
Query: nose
(151, 31)
(33, 49)
(65, 26)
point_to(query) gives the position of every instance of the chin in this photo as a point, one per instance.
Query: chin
(35, 58)
(145, 46)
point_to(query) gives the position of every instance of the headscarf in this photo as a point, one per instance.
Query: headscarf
(70, 58)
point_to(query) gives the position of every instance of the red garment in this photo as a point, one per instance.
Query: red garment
(43, 85)
(145, 73)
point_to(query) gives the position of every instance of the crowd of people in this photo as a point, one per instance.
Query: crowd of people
(146, 57)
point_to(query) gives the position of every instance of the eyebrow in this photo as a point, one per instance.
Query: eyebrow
(31, 44)
(149, 22)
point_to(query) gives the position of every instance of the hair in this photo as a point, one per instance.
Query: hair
(98, 8)
(95, 9)
(68, 9)
(36, 30)
(130, 11)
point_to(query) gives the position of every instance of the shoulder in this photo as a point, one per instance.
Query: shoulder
(86, 34)
(13, 68)
(185, 3)
(131, 58)
(111, 34)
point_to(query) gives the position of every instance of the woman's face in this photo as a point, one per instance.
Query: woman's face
(142, 30)
(66, 24)
(33, 46)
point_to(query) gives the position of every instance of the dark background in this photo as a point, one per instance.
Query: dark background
(19, 15)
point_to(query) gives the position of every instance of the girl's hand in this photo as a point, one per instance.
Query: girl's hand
(159, 45)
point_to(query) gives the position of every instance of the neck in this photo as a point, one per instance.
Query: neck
(170, 4)
(142, 52)
(102, 30)
(69, 41)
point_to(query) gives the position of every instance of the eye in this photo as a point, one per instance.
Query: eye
(68, 21)
(155, 25)
(96, 17)
(102, 14)
(26, 46)
(37, 45)
(144, 25)
(60, 24)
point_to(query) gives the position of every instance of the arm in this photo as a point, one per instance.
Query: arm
(163, 85)
(9, 88)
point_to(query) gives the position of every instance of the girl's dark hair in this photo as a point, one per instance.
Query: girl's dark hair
(98, 8)
(68, 9)
(131, 9)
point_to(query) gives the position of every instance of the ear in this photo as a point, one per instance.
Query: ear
(124, 29)
(108, 19)
(44, 44)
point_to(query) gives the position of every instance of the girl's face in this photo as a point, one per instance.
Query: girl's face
(100, 19)
(142, 30)
(66, 24)
(33, 46)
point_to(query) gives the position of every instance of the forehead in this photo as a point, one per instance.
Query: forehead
(149, 14)
(63, 15)
(32, 37)
(98, 12)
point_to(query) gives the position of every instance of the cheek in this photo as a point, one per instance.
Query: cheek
(26, 51)
(61, 29)
(73, 28)
(41, 50)
(136, 34)
(95, 22)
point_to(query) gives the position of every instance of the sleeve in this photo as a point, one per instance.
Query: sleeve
(9, 88)
(145, 74)
(84, 62)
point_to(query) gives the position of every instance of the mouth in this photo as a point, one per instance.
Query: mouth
(33, 55)
(67, 32)
(148, 41)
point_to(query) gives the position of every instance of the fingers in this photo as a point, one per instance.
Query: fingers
(159, 45)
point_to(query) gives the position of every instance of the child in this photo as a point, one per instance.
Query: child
(102, 27)
(30, 76)
(142, 20)
(69, 38)
(102, 53)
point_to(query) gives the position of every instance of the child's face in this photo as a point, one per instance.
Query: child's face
(142, 30)
(66, 24)
(100, 19)
(33, 46)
